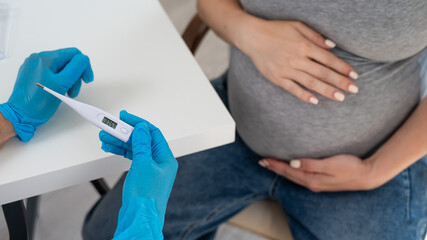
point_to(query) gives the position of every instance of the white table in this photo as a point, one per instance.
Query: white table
(140, 64)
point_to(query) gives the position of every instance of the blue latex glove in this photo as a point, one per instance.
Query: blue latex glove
(149, 182)
(29, 106)
(138, 220)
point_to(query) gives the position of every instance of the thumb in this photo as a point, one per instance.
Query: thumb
(141, 143)
(129, 118)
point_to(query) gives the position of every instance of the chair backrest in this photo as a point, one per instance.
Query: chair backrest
(194, 33)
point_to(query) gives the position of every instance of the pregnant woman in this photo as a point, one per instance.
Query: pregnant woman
(325, 95)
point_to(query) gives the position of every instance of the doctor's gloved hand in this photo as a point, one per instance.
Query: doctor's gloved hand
(149, 182)
(29, 106)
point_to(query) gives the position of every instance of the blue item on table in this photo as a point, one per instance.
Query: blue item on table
(29, 106)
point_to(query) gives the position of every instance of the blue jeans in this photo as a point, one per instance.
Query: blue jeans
(214, 185)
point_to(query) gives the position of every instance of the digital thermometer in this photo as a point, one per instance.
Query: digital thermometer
(100, 118)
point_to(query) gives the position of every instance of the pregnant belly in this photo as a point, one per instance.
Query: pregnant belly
(275, 124)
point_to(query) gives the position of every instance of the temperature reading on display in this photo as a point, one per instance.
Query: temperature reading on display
(109, 122)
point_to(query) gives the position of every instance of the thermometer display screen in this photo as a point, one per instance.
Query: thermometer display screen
(109, 122)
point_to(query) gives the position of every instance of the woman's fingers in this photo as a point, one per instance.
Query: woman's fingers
(320, 78)
(298, 91)
(318, 86)
(327, 75)
(283, 169)
(323, 56)
(331, 61)
(313, 36)
(312, 165)
(292, 85)
(313, 181)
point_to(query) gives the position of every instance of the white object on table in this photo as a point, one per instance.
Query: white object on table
(105, 121)
(141, 65)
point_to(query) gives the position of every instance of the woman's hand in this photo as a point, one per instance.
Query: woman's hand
(287, 53)
(337, 173)
(291, 55)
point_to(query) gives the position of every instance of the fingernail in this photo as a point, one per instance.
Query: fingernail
(313, 100)
(353, 88)
(295, 163)
(330, 44)
(354, 75)
(263, 163)
(339, 96)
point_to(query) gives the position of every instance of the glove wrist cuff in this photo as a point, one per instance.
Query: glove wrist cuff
(24, 131)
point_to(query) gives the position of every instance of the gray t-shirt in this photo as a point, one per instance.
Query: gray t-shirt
(381, 39)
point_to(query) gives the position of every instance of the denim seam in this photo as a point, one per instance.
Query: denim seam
(408, 189)
(215, 212)
(273, 186)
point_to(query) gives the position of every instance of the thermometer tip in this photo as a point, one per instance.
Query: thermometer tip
(40, 86)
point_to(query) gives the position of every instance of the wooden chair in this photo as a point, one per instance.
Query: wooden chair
(263, 218)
